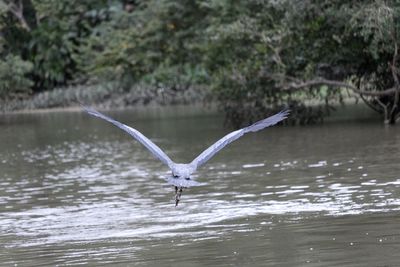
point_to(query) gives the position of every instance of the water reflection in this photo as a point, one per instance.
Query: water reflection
(87, 189)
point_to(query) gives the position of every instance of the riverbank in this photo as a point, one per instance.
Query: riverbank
(105, 96)
(108, 96)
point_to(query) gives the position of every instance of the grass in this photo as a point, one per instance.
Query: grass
(107, 96)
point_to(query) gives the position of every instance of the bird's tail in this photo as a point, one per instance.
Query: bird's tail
(181, 182)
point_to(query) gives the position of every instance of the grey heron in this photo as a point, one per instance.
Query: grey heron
(181, 173)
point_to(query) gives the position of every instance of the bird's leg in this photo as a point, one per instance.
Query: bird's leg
(177, 195)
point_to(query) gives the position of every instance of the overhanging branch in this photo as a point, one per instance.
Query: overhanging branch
(18, 11)
(331, 83)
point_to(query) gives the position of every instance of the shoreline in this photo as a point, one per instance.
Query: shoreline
(105, 97)
(211, 107)
(42, 110)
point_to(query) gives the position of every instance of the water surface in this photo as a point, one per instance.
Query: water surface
(76, 190)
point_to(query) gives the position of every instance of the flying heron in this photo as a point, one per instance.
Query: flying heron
(181, 173)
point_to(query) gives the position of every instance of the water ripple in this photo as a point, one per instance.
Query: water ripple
(104, 192)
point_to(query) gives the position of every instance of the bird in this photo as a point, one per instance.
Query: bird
(181, 177)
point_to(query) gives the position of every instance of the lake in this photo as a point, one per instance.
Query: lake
(76, 190)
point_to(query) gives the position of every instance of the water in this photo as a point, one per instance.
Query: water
(76, 190)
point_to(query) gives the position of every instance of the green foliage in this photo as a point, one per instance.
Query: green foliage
(256, 48)
(13, 76)
(54, 31)
(158, 42)
(247, 51)
(56, 40)
(376, 24)
(53, 54)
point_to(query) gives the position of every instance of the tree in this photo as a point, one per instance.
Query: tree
(366, 58)
(270, 53)
(13, 76)
(257, 56)
(157, 42)
(47, 34)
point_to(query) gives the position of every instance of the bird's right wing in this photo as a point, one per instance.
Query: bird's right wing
(229, 138)
(154, 149)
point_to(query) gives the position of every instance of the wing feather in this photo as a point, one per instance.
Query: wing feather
(229, 138)
(154, 149)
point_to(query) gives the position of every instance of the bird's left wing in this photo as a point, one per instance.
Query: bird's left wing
(229, 138)
(154, 149)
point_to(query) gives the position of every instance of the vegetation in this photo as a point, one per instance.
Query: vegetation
(257, 56)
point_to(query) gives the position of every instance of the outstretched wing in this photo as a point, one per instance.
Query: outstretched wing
(229, 138)
(154, 149)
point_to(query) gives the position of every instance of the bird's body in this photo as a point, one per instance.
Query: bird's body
(182, 170)
(181, 173)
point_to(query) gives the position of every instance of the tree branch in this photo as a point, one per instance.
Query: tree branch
(18, 12)
(368, 103)
(397, 84)
(385, 111)
(332, 83)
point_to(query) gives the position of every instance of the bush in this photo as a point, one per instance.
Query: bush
(14, 80)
